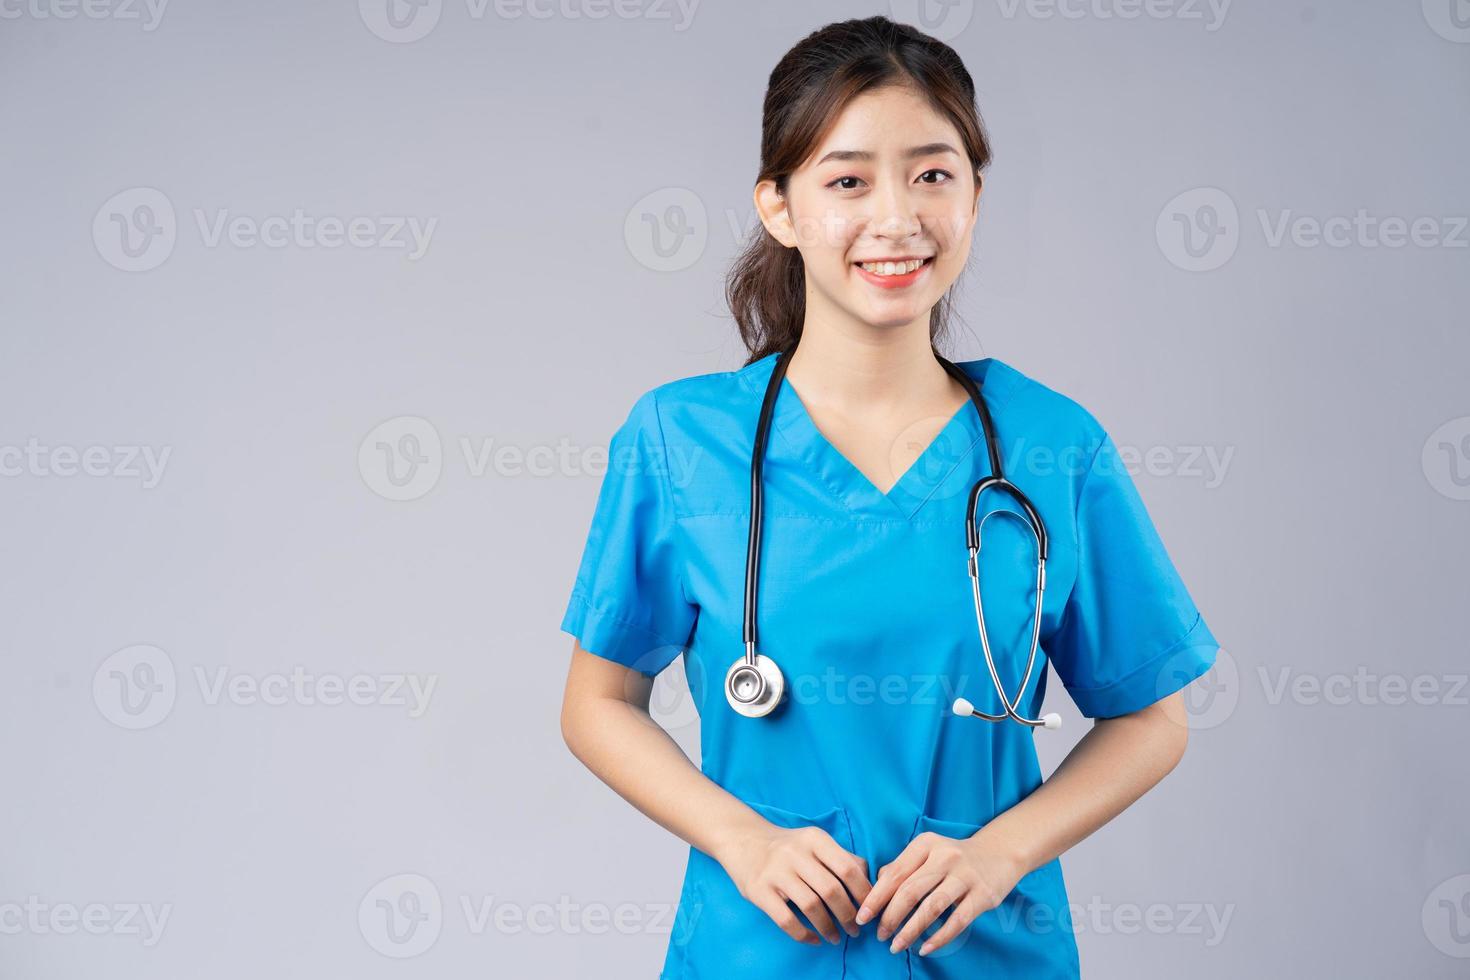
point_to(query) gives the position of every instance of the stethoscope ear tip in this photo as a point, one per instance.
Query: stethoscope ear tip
(963, 708)
(1051, 720)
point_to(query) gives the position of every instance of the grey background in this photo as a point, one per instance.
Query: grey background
(1327, 833)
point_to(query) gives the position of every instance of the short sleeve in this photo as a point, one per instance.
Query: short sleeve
(628, 604)
(1130, 634)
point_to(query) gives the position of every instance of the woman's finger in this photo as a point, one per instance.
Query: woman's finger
(948, 891)
(809, 902)
(848, 867)
(890, 877)
(907, 897)
(965, 912)
(832, 893)
(774, 905)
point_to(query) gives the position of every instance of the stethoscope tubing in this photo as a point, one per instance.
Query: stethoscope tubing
(754, 683)
(998, 481)
(1010, 706)
(757, 498)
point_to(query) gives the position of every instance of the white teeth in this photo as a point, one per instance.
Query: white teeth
(892, 268)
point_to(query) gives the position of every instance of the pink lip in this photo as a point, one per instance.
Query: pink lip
(895, 282)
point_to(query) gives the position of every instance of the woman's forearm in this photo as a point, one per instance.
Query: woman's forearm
(1113, 765)
(630, 752)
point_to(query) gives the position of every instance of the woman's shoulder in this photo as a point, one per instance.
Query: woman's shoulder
(694, 405)
(710, 395)
(1017, 397)
(714, 386)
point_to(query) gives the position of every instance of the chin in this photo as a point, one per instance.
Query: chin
(893, 319)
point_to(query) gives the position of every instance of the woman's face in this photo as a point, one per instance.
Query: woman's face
(890, 182)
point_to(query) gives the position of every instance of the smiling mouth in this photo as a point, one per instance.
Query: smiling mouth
(894, 268)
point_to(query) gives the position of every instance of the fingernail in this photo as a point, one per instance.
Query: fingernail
(864, 914)
(924, 949)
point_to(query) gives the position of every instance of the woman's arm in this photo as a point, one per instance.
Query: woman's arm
(1113, 765)
(1106, 772)
(606, 724)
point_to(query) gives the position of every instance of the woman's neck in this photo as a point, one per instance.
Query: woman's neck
(866, 370)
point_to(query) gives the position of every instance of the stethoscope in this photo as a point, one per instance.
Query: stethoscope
(754, 684)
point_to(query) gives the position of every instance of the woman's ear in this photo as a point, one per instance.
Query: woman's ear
(979, 186)
(771, 207)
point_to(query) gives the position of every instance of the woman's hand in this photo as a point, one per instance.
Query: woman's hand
(935, 872)
(807, 867)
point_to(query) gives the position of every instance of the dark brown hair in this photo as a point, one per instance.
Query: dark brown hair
(808, 89)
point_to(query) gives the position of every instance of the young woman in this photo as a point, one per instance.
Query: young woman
(853, 815)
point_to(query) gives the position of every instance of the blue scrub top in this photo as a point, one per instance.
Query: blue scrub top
(866, 606)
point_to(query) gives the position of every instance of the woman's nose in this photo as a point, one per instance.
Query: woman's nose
(894, 213)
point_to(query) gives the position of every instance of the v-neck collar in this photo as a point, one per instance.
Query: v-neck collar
(932, 474)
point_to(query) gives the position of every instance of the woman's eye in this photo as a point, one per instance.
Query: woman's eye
(851, 183)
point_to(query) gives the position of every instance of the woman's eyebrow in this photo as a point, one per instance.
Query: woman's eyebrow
(928, 149)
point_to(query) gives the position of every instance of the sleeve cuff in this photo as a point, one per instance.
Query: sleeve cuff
(613, 637)
(1185, 661)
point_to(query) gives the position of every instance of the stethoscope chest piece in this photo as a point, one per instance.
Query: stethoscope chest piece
(754, 688)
